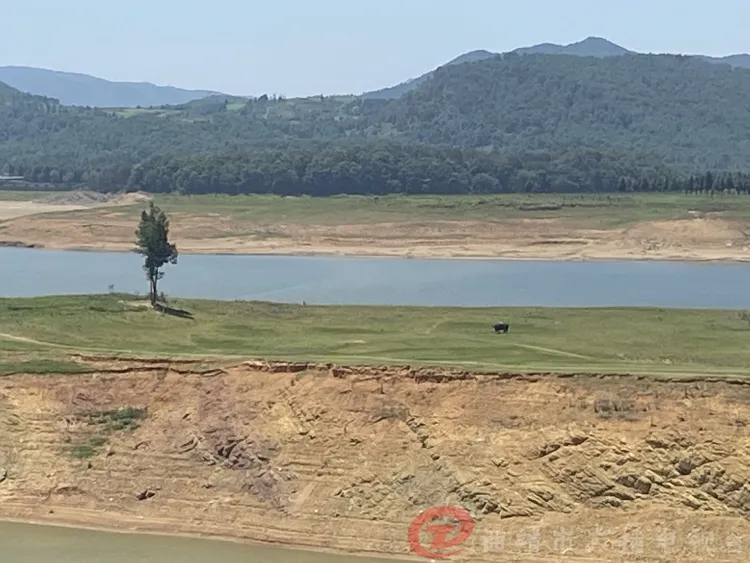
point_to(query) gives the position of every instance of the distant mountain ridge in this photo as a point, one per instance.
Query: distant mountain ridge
(589, 47)
(76, 89)
(84, 90)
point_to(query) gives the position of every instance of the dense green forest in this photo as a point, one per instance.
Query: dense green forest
(682, 109)
(384, 168)
(381, 169)
(391, 168)
(511, 123)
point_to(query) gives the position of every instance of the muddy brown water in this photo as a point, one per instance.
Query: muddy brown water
(31, 543)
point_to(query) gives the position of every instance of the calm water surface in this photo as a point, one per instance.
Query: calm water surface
(26, 543)
(386, 281)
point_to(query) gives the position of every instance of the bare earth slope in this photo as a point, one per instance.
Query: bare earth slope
(551, 468)
(697, 238)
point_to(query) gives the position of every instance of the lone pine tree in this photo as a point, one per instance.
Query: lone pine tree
(153, 243)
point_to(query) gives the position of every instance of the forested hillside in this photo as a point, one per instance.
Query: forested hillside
(384, 168)
(522, 123)
(393, 92)
(589, 47)
(679, 108)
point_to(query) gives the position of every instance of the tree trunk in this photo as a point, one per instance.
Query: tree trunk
(152, 293)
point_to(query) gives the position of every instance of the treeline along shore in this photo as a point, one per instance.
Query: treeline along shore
(381, 169)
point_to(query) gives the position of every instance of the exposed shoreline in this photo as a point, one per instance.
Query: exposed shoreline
(432, 253)
(669, 230)
(394, 446)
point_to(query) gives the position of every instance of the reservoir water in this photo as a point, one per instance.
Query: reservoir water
(26, 543)
(385, 281)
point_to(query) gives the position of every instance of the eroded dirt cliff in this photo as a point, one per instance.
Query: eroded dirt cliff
(551, 468)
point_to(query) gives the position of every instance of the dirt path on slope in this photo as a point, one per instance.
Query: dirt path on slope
(551, 468)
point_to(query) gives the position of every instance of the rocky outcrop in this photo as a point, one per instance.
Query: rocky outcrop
(345, 458)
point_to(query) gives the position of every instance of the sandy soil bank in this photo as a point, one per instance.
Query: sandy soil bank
(613, 469)
(695, 239)
(13, 209)
(100, 225)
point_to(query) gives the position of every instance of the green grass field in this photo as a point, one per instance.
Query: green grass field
(593, 211)
(50, 329)
(600, 211)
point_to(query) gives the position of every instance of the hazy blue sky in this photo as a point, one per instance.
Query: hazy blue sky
(307, 47)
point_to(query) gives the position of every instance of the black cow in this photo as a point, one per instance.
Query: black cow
(501, 327)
